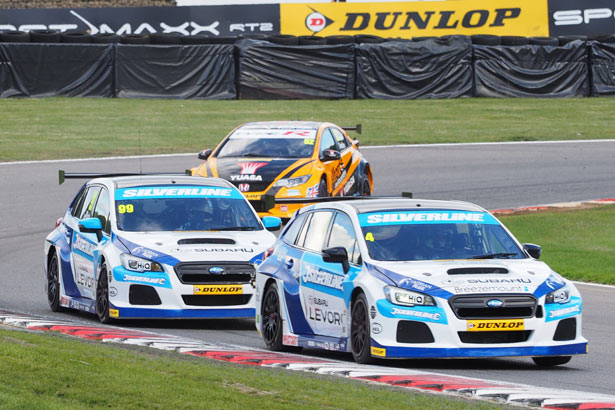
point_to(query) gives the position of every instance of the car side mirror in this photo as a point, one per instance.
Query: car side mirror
(91, 225)
(337, 254)
(272, 223)
(356, 142)
(533, 250)
(330, 155)
(206, 153)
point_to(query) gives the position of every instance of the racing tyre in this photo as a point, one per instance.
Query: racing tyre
(271, 324)
(102, 296)
(53, 284)
(360, 339)
(551, 360)
(365, 188)
(323, 191)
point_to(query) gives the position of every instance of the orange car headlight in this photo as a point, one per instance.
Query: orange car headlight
(289, 182)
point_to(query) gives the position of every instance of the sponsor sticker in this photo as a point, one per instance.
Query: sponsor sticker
(114, 312)
(378, 351)
(425, 217)
(217, 289)
(290, 340)
(495, 325)
(176, 192)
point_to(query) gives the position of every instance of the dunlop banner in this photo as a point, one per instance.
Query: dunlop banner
(414, 19)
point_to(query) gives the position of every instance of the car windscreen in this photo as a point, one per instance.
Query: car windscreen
(269, 143)
(436, 235)
(183, 208)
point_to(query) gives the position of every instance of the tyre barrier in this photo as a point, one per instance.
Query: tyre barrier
(311, 41)
(544, 41)
(105, 38)
(165, 38)
(135, 39)
(514, 41)
(45, 36)
(335, 40)
(486, 40)
(195, 39)
(75, 36)
(285, 39)
(15, 36)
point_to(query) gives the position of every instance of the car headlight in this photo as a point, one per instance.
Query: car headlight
(405, 297)
(562, 295)
(136, 264)
(288, 182)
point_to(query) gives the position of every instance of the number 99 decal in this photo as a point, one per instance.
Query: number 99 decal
(125, 209)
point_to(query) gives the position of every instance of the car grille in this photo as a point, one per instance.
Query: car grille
(216, 300)
(198, 273)
(475, 306)
(495, 337)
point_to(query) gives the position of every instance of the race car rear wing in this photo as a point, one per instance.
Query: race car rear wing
(269, 201)
(63, 175)
(356, 128)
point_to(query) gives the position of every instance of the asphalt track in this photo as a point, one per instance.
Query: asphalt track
(492, 175)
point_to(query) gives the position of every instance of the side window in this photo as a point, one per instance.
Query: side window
(317, 231)
(341, 140)
(342, 234)
(78, 202)
(301, 238)
(87, 210)
(327, 141)
(290, 234)
(102, 210)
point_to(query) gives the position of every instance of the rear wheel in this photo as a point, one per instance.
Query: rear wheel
(550, 361)
(102, 296)
(360, 339)
(323, 191)
(53, 284)
(366, 189)
(271, 324)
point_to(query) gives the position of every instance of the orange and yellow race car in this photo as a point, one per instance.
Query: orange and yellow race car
(289, 159)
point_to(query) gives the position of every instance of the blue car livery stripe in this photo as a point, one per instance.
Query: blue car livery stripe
(136, 313)
(158, 279)
(405, 282)
(425, 217)
(422, 352)
(549, 285)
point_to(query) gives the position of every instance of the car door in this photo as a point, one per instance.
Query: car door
(85, 246)
(349, 162)
(322, 294)
(333, 167)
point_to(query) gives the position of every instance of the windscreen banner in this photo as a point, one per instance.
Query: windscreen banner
(586, 17)
(214, 21)
(417, 18)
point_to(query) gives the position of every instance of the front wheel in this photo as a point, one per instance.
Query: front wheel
(271, 324)
(53, 284)
(102, 296)
(360, 339)
(549, 361)
(366, 189)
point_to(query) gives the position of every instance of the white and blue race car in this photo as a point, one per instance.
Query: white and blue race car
(406, 278)
(156, 247)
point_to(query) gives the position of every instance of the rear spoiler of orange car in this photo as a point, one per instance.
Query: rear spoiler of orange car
(63, 175)
(356, 128)
(269, 201)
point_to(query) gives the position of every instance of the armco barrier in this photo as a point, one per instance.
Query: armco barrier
(257, 69)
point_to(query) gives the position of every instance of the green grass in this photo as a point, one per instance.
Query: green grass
(53, 128)
(53, 371)
(578, 244)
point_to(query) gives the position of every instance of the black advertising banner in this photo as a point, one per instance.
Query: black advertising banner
(532, 70)
(581, 17)
(47, 70)
(215, 21)
(198, 71)
(407, 70)
(272, 71)
(603, 68)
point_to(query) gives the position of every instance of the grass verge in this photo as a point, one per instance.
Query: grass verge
(52, 371)
(578, 244)
(54, 128)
